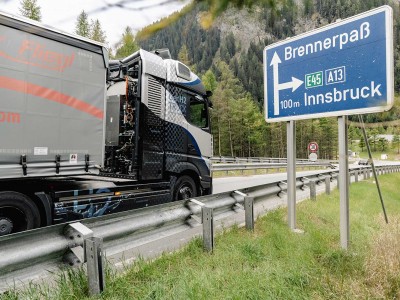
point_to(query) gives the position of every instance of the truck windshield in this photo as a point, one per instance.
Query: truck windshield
(198, 112)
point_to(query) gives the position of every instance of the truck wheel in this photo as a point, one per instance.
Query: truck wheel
(17, 213)
(185, 188)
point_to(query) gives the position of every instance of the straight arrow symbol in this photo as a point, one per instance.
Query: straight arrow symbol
(294, 84)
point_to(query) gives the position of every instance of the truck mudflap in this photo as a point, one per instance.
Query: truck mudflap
(206, 185)
(80, 204)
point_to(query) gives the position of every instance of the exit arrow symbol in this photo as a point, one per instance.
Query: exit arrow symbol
(294, 84)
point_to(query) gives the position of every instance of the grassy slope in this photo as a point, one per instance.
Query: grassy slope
(272, 262)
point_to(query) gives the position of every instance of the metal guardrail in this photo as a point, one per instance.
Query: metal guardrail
(271, 160)
(226, 167)
(37, 253)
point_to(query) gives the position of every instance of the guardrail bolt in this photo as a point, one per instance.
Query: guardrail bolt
(328, 185)
(249, 212)
(95, 265)
(313, 190)
(208, 228)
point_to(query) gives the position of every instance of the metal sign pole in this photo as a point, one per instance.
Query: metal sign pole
(291, 173)
(343, 182)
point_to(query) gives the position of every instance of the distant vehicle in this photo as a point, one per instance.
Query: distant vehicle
(364, 162)
(82, 136)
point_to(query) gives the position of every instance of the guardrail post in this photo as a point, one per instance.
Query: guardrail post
(365, 174)
(208, 228)
(86, 248)
(95, 265)
(249, 212)
(76, 233)
(313, 190)
(328, 185)
(207, 219)
(355, 175)
(248, 209)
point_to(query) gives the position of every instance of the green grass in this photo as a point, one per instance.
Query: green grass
(272, 262)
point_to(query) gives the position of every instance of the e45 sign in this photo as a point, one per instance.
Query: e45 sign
(341, 69)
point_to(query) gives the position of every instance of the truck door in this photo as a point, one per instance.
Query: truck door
(176, 137)
(200, 143)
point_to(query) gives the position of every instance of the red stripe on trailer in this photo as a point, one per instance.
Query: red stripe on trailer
(49, 94)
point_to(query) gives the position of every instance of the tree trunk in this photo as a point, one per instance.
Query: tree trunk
(230, 137)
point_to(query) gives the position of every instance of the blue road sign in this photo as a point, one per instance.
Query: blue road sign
(341, 69)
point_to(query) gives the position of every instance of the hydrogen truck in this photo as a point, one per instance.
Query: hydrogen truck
(83, 136)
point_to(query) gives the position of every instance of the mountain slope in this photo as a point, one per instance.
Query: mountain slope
(239, 36)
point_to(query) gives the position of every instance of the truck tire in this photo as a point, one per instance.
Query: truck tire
(17, 213)
(184, 188)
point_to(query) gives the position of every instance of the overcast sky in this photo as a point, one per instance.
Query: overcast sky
(62, 14)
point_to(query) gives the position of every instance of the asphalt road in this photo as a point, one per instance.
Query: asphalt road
(226, 184)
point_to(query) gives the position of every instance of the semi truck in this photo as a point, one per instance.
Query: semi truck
(83, 136)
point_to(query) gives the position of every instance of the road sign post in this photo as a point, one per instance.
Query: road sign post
(291, 173)
(338, 70)
(343, 182)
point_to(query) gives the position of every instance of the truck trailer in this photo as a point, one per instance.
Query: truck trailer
(83, 136)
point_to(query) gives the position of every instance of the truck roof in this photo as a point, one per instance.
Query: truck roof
(46, 31)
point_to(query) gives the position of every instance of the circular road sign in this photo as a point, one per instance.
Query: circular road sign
(313, 156)
(313, 147)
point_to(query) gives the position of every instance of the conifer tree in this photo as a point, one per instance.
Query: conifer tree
(30, 9)
(96, 32)
(82, 27)
(396, 142)
(362, 144)
(127, 45)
